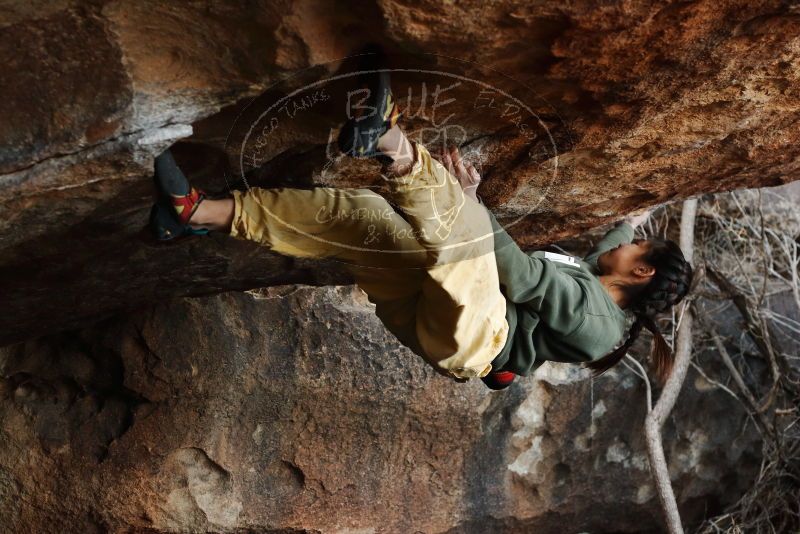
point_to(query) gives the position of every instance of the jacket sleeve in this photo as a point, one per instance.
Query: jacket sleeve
(557, 298)
(621, 233)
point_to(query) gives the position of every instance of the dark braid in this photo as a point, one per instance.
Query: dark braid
(669, 286)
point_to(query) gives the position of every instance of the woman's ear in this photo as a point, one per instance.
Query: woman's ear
(644, 270)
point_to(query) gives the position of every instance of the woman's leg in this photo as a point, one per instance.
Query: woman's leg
(461, 321)
(213, 215)
(433, 279)
(355, 226)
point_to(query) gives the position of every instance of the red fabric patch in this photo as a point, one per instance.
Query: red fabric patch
(185, 205)
(504, 377)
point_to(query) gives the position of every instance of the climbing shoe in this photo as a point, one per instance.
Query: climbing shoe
(371, 111)
(166, 225)
(177, 201)
(173, 186)
(499, 379)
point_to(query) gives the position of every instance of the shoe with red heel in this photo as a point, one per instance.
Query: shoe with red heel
(499, 379)
(177, 202)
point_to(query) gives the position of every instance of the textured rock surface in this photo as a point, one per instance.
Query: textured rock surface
(645, 102)
(272, 413)
(240, 414)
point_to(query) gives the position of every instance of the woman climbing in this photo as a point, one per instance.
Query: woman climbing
(445, 278)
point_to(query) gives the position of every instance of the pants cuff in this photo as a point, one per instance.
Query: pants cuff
(237, 229)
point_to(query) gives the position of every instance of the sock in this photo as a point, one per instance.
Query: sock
(396, 146)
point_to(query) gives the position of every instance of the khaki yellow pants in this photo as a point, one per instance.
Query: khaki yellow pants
(430, 272)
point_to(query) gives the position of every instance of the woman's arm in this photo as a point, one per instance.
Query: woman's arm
(621, 233)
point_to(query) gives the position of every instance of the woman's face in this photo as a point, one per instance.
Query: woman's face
(627, 260)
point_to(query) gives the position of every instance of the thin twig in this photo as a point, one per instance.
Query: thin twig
(643, 375)
(737, 377)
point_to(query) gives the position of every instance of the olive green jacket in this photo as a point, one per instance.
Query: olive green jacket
(556, 311)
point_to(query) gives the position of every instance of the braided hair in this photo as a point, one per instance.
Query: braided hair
(668, 286)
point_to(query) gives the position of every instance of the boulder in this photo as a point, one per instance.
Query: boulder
(292, 409)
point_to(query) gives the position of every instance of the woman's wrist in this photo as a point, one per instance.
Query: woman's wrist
(637, 219)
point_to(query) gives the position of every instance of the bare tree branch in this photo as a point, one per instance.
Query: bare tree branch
(655, 418)
(758, 330)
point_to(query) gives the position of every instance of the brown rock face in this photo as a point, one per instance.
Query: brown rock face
(274, 413)
(628, 105)
(293, 410)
